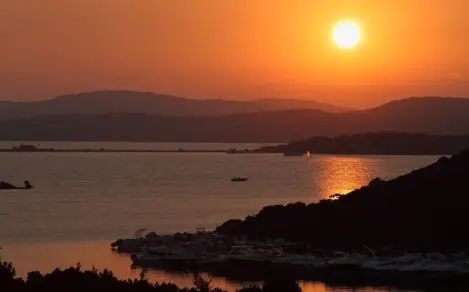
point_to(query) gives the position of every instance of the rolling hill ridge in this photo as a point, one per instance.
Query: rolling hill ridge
(432, 115)
(120, 101)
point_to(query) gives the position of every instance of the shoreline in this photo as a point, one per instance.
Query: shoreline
(235, 276)
(109, 151)
(189, 151)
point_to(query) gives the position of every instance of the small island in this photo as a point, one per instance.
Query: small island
(380, 143)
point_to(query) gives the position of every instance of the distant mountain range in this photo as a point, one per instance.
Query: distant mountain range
(119, 101)
(431, 115)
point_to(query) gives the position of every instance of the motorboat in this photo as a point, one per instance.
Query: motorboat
(213, 260)
(251, 258)
(429, 261)
(400, 262)
(418, 266)
(239, 179)
(348, 261)
(443, 267)
(374, 263)
(163, 256)
(309, 262)
(163, 260)
(139, 240)
(254, 254)
(291, 259)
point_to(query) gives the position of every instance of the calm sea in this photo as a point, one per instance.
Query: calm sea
(83, 201)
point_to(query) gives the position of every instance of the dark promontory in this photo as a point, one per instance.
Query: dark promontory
(426, 209)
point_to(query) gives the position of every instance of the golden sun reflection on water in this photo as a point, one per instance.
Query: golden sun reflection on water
(341, 174)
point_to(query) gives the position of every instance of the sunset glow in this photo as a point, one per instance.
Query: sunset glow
(236, 49)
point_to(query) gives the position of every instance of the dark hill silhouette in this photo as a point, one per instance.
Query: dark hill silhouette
(441, 116)
(425, 209)
(120, 101)
(433, 115)
(142, 127)
(390, 143)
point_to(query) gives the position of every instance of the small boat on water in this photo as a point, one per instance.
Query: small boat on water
(239, 179)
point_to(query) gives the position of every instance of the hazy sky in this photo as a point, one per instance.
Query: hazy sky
(234, 48)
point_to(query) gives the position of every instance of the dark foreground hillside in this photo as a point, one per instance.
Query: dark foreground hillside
(426, 209)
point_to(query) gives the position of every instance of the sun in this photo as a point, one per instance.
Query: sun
(346, 34)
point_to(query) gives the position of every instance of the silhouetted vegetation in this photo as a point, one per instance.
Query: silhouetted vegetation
(442, 116)
(390, 143)
(74, 279)
(425, 209)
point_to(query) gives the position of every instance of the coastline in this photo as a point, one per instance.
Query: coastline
(97, 254)
(189, 151)
(109, 151)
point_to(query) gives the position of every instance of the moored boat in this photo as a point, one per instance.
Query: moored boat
(424, 263)
(163, 257)
(348, 261)
(238, 179)
(400, 262)
(254, 254)
(374, 263)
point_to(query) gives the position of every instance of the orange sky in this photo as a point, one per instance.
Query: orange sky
(235, 48)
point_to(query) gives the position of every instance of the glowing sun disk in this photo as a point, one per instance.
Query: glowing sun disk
(346, 34)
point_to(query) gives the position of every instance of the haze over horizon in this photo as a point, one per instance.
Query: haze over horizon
(235, 49)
